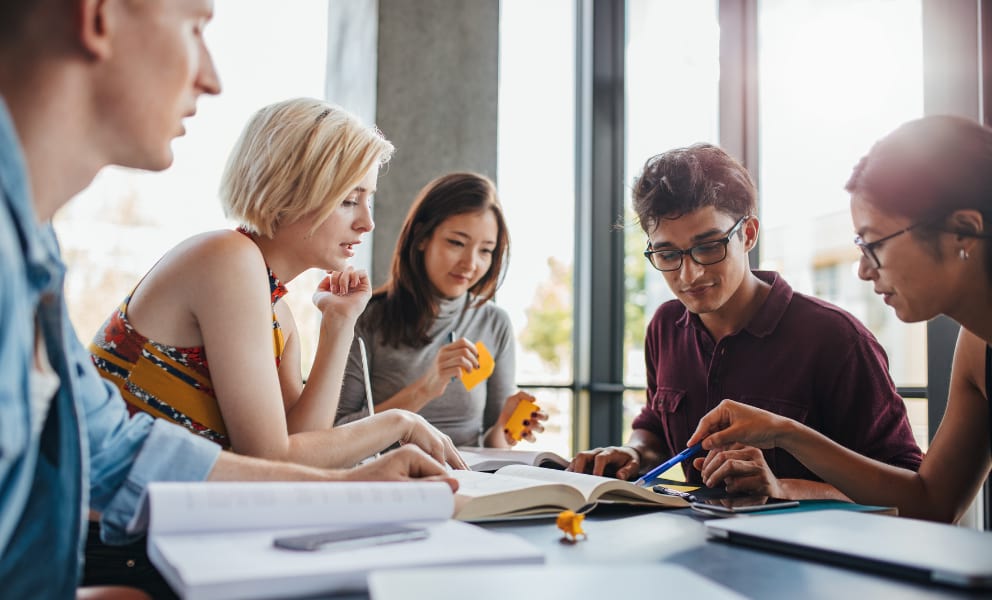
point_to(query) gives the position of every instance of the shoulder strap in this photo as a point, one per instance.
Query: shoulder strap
(988, 387)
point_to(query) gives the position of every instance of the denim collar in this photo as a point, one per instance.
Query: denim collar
(37, 241)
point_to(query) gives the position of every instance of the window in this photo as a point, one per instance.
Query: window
(823, 102)
(673, 77)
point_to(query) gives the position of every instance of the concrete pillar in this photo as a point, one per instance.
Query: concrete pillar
(436, 74)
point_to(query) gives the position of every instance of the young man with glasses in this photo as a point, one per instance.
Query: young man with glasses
(746, 335)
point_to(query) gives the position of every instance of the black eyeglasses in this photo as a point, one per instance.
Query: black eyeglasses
(707, 253)
(868, 248)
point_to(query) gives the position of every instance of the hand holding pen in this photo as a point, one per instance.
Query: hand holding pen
(451, 340)
(668, 464)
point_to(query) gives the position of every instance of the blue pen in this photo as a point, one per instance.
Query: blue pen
(671, 462)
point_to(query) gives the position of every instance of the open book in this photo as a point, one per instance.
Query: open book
(491, 459)
(523, 491)
(217, 540)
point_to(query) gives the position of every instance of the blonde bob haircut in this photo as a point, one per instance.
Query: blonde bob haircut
(297, 159)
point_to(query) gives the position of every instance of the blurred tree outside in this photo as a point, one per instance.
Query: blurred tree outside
(548, 332)
(635, 284)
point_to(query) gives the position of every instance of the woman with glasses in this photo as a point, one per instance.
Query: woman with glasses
(921, 201)
(421, 326)
(735, 333)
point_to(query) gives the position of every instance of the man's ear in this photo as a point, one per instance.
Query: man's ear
(750, 233)
(93, 25)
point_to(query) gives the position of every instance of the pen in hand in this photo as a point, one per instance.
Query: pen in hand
(370, 405)
(451, 340)
(671, 462)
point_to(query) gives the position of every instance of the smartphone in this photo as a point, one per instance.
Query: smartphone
(349, 539)
(735, 508)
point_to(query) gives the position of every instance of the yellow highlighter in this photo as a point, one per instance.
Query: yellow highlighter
(487, 364)
(515, 424)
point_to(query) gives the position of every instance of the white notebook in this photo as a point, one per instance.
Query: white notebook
(897, 546)
(216, 540)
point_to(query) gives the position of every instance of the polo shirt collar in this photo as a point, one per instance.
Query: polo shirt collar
(773, 308)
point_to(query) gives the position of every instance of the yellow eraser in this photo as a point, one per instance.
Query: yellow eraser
(515, 424)
(486, 366)
(571, 523)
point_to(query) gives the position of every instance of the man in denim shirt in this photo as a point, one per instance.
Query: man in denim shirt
(84, 84)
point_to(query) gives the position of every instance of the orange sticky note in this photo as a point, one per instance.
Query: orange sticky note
(486, 366)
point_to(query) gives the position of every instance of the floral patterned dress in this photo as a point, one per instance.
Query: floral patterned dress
(166, 381)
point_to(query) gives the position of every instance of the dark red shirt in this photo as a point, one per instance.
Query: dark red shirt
(798, 356)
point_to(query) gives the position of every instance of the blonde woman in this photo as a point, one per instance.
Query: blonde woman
(203, 340)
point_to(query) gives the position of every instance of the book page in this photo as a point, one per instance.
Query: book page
(596, 488)
(487, 459)
(473, 484)
(201, 507)
(487, 495)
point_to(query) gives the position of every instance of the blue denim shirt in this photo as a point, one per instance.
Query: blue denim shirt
(88, 453)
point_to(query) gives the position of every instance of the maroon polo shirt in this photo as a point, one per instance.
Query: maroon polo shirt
(798, 356)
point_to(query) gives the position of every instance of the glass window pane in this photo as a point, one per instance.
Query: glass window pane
(536, 179)
(824, 99)
(673, 78)
(557, 435)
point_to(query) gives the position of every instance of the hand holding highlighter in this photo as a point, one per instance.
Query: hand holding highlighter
(524, 411)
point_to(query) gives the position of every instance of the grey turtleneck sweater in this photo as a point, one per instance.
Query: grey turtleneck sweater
(460, 413)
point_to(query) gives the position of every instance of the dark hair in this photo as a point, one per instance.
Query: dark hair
(14, 16)
(680, 181)
(406, 306)
(927, 169)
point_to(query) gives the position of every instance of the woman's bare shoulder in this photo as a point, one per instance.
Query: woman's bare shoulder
(969, 359)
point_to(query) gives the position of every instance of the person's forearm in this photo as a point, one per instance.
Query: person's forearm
(235, 467)
(803, 489)
(317, 405)
(648, 447)
(495, 437)
(346, 445)
(412, 398)
(858, 477)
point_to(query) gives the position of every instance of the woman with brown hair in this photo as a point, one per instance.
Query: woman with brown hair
(421, 326)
